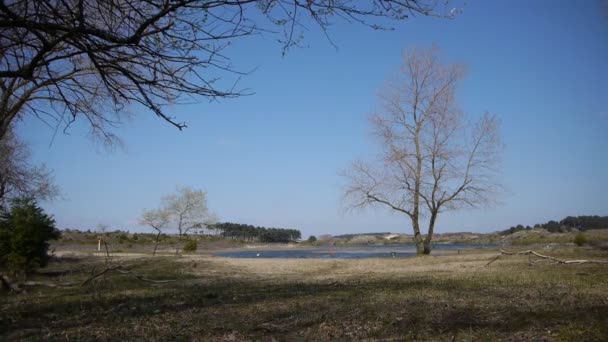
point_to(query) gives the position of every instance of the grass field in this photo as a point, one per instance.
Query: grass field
(443, 298)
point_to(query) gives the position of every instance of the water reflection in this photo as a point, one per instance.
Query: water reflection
(342, 252)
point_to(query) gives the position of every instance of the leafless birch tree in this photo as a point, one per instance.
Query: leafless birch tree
(158, 219)
(181, 212)
(62, 61)
(18, 176)
(432, 159)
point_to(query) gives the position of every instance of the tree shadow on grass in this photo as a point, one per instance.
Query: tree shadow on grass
(415, 307)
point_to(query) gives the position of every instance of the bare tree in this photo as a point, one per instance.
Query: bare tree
(18, 177)
(183, 211)
(431, 159)
(158, 219)
(89, 59)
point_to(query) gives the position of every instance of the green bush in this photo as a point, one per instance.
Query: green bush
(25, 231)
(312, 238)
(190, 246)
(580, 239)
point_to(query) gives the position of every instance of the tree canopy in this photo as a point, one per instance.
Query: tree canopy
(90, 59)
(182, 211)
(582, 223)
(253, 233)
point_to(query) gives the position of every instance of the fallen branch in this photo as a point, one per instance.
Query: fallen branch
(8, 284)
(547, 257)
(17, 287)
(119, 269)
(53, 285)
(140, 277)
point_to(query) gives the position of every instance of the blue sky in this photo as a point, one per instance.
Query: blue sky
(273, 158)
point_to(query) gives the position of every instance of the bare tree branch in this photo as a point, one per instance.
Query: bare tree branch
(430, 159)
(92, 59)
(18, 177)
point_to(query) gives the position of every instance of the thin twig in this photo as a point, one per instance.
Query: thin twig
(106, 270)
(491, 261)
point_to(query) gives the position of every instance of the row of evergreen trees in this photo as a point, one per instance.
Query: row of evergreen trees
(579, 222)
(586, 222)
(238, 231)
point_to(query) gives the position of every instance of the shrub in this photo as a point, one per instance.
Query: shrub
(190, 246)
(312, 238)
(580, 239)
(25, 231)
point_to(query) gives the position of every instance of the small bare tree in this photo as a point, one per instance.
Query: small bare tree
(158, 219)
(431, 159)
(183, 211)
(89, 59)
(18, 177)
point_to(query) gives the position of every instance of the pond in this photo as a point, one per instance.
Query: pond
(344, 252)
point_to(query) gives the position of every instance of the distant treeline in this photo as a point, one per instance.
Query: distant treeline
(579, 222)
(238, 231)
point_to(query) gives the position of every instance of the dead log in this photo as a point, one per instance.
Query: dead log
(547, 258)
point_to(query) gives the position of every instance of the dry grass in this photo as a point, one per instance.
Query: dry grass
(451, 297)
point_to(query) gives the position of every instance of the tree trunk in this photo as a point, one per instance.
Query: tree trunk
(417, 182)
(179, 241)
(156, 244)
(418, 240)
(426, 250)
(429, 235)
(180, 231)
(419, 243)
